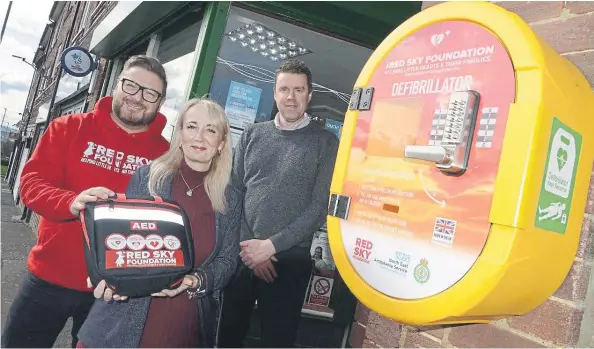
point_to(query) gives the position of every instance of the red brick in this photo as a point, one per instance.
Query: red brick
(584, 61)
(590, 200)
(488, 336)
(572, 34)
(551, 321)
(361, 314)
(533, 11)
(417, 340)
(357, 335)
(370, 344)
(586, 247)
(382, 331)
(435, 331)
(576, 283)
(579, 7)
(94, 97)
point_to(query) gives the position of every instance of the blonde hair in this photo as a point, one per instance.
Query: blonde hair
(218, 178)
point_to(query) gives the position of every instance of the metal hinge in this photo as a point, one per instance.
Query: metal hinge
(339, 206)
(361, 99)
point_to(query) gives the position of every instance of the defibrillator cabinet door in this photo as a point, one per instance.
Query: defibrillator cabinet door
(440, 103)
(463, 166)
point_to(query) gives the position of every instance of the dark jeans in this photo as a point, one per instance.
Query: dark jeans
(279, 303)
(40, 311)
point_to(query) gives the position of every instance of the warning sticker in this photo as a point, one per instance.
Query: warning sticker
(321, 288)
(138, 251)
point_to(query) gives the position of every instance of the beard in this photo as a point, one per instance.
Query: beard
(128, 118)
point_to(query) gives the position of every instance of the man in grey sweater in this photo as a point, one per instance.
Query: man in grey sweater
(284, 169)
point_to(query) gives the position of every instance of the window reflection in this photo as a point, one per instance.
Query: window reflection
(176, 52)
(178, 73)
(254, 46)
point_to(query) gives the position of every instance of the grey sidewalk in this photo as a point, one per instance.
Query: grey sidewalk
(17, 239)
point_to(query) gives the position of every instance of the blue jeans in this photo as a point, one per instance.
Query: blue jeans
(40, 311)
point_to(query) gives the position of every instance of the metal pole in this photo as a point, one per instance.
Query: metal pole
(2, 123)
(18, 142)
(5, 20)
(22, 140)
(12, 155)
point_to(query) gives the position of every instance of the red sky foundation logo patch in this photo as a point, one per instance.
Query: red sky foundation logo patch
(138, 251)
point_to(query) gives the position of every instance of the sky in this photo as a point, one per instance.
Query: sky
(21, 37)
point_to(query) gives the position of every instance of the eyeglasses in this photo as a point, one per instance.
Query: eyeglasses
(132, 88)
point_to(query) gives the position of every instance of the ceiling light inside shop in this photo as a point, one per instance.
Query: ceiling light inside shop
(267, 42)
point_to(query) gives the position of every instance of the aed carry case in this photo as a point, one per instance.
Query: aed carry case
(139, 245)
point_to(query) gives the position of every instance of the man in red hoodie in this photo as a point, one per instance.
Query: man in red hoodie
(79, 159)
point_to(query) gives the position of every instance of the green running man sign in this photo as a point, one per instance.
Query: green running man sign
(554, 202)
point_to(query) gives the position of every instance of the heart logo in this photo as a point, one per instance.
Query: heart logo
(561, 158)
(437, 39)
(154, 243)
(136, 243)
(171, 244)
(117, 242)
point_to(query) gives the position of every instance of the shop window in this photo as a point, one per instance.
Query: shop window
(252, 48)
(255, 45)
(138, 49)
(118, 65)
(176, 52)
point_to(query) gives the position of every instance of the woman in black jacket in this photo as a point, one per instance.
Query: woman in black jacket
(195, 172)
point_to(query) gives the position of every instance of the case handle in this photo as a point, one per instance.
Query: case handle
(122, 196)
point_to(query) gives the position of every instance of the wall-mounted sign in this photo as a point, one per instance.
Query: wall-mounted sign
(77, 61)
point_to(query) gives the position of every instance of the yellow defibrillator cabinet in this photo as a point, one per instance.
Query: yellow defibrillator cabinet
(463, 169)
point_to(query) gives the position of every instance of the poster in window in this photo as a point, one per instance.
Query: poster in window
(320, 252)
(334, 126)
(242, 104)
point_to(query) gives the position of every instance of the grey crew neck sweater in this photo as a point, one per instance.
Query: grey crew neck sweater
(285, 176)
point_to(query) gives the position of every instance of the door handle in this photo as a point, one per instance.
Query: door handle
(451, 154)
(432, 153)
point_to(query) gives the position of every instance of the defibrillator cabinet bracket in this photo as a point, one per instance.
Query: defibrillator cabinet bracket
(361, 99)
(339, 206)
(451, 154)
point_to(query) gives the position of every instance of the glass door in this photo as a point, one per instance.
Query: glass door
(253, 46)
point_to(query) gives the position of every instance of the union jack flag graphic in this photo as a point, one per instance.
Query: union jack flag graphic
(443, 230)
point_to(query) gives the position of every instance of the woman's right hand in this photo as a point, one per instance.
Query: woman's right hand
(102, 291)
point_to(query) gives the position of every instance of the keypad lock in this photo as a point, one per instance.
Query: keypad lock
(451, 155)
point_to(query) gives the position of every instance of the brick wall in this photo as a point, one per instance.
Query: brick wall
(568, 27)
(59, 36)
(101, 12)
(97, 12)
(81, 36)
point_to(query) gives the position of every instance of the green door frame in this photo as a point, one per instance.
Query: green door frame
(207, 47)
